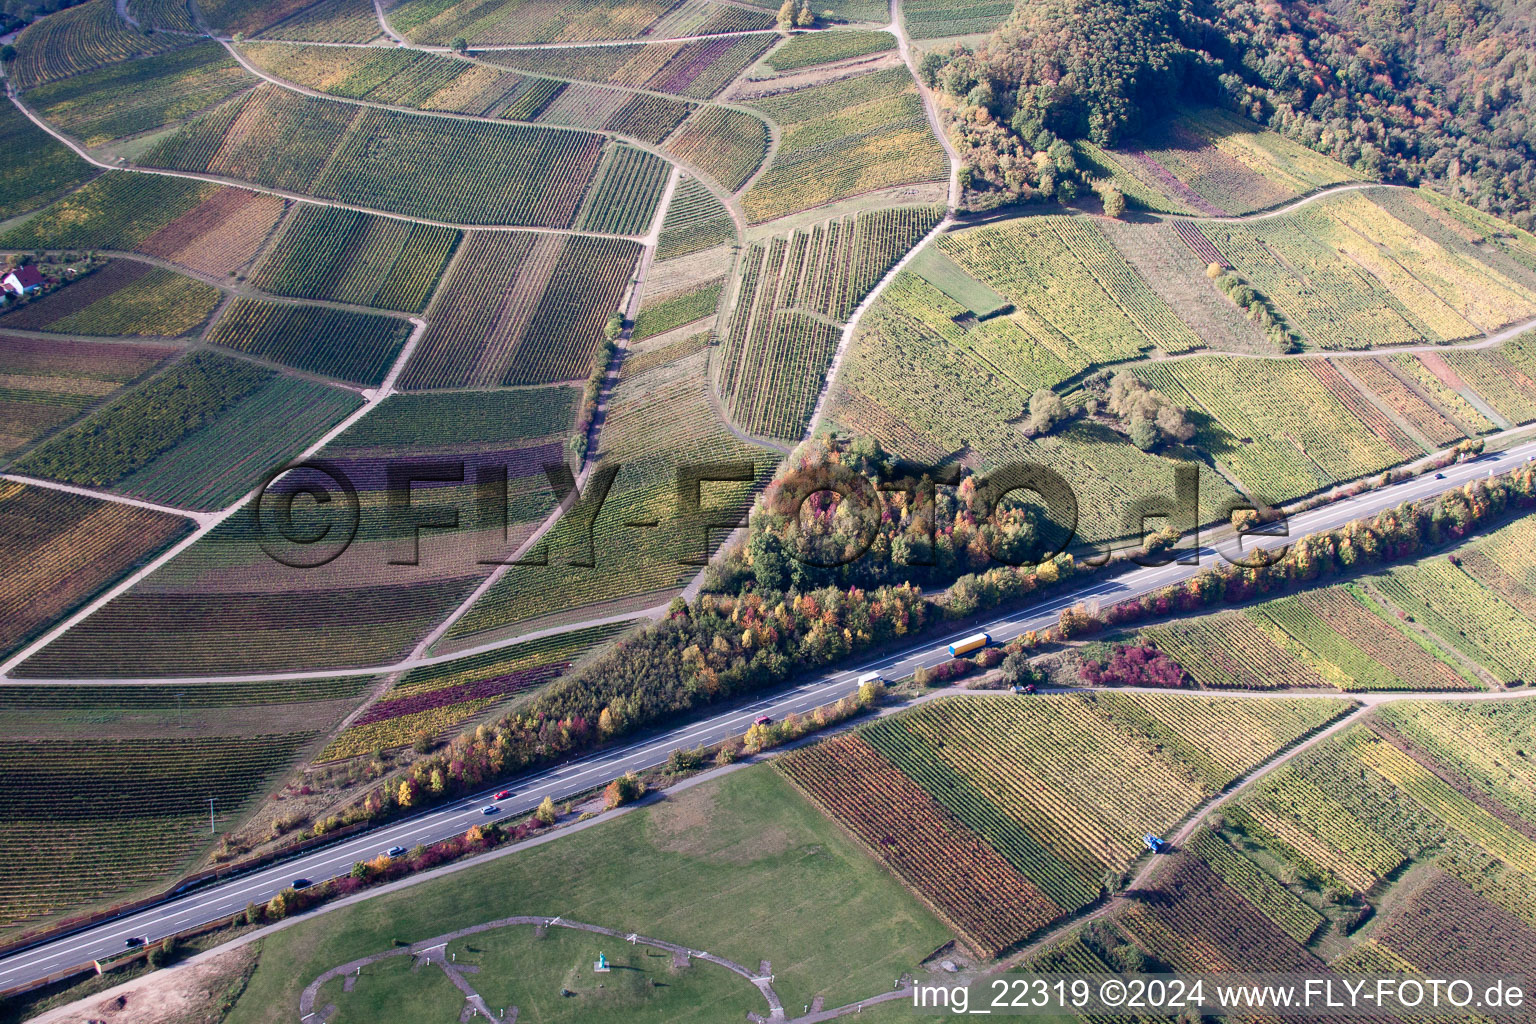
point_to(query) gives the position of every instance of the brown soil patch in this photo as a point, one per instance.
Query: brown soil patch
(681, 824)
(184, 994)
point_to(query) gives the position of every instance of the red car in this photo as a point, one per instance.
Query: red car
(762, 720)
(503, 795)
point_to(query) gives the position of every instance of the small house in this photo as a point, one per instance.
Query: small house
(22, 281)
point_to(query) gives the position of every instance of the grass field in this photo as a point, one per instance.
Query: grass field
(742, 867)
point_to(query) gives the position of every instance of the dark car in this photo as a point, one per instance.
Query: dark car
(302, 883)
(1439, 476)
(132, 942)
(394, 851)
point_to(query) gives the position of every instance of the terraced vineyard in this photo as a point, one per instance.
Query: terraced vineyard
(844, 139)
(329, 253)
(521, 309)
(521, 21)
(356, 347)
(826, 47)
(50, 382)
(61, 549)
(461, 172)
(123, 299)
(1038, 794)
(778, 348)
(87, 36)
(439, 698)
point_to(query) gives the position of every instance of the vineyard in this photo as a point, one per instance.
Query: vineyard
(844, 139)
(147, 422)
(1231, 166)
(77, 40)
(658, 420)
(345, 256)
(676, 311)
(247, 16)
(71, 848)
(435, 23)
(521, 309)
(61, 549)
(695, 221)
(35, 167)
(1466, 615)
(802, 51)
(336, 21)
(220, 235)
(162, 15)
(1397, 394)
(140, 95)
(697, 70)
(1065, 274)
(123, 298)
(931, 19)
(467, 172)
(1040, 795)
(229, 456)
(1505, 377)
(724, 144)
(442, 697)
(460, 422)
(1157, 254)
(627, 187)
(1230, 651)
(355, 347)
(49, 382)
(794, 291)
(116, 210)
(1285, 437)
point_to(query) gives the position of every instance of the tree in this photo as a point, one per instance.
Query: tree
(8, 54)
(460, 44)
(162, 953)
(929, 67)
(424, 742)
(1046, 409)
(546, 813)
(614, 327)
(1017, 670)
(625, 789)
(1114, 200)
(805, 18)
(786, 17)
(681, 760)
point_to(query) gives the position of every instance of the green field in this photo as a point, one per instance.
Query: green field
(825, 47)
(741, 867)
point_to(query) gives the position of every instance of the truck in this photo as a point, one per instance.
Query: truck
(974, 642)
(1154, 843)
(871, 677)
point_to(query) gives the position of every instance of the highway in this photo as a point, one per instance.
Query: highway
(228, 897)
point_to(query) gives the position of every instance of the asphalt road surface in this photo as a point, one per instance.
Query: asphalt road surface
(230, 896)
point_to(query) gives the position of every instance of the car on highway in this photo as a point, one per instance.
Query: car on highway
(505, 794)
(489, 809)
(302, 883)
(133, 942)
(1439, 476)
(763, 720)
(394, 851)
